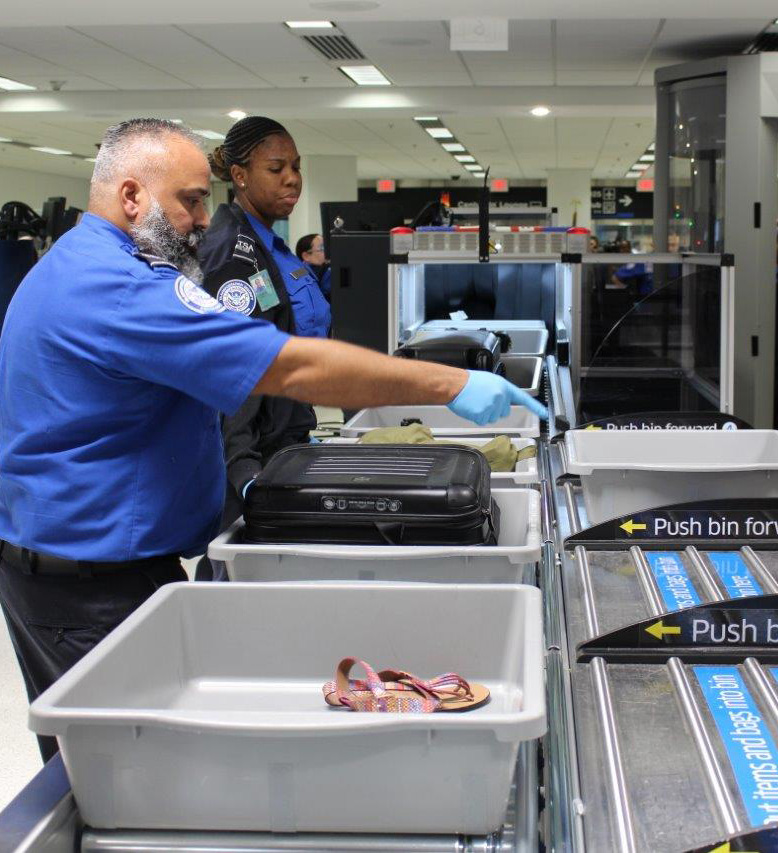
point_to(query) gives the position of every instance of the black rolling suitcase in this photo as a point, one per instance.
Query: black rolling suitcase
(373, 494)
(473, 350)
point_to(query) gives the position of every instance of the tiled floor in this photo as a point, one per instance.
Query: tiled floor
(19, 756)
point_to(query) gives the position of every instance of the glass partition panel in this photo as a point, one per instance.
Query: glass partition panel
(696, 170)
(651, 338)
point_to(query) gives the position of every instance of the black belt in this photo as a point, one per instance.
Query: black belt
(35, 563)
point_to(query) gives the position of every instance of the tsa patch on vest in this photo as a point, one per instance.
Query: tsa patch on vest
(237, 295)
(195, 298)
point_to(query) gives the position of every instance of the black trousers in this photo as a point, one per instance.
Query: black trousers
(54, 620)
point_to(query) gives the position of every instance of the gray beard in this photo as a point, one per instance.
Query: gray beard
(157, 236)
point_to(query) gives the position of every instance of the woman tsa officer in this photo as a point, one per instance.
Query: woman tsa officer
(250, 269)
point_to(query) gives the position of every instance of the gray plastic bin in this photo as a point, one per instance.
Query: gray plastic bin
(524, 371)
(624, 471)
(524, 474)
(528, 337)
(512, 560)
(203, 710)
(442, 421)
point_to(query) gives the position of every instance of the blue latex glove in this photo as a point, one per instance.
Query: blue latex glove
(487, 397)
(313, 440)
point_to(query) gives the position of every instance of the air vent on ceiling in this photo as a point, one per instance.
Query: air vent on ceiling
(334, 47)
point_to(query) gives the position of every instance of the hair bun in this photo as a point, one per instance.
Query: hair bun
(218, 164)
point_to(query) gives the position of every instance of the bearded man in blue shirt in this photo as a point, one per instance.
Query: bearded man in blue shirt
(114, 365)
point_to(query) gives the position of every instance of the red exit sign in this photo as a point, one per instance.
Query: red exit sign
(499, 185)
(645, 185)
(385, 185)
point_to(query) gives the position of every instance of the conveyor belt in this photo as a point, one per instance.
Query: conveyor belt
(672, 756)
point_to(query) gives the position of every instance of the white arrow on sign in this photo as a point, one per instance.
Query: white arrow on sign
(625, 200)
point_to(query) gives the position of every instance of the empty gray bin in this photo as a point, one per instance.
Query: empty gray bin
(204, 711)
(528, 337)
(524, 474)
(512, 560)
(524, 371)
(623, 471)
(442, 421)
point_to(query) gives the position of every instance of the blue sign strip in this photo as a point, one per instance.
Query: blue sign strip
(735, 574)
(673, 580)
(750, 746)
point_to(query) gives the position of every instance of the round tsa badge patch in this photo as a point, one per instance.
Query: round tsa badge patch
(196, 299)
(237, 295)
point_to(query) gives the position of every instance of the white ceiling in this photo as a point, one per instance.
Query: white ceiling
(595, 72)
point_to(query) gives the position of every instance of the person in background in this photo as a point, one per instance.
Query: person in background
(310, 250)
(594, 244)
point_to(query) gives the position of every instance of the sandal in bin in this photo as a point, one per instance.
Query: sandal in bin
(395, 691)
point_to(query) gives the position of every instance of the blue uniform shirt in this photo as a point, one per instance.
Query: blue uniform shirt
(311, 310)
(112, 373)
(324, 278)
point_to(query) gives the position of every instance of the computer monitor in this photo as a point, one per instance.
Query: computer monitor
(54, 213)
(359, 216)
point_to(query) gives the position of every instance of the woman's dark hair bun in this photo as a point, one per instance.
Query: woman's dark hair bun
(218, 165)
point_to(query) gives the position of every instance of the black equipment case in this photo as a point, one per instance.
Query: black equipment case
(373, 494)
(474, 350)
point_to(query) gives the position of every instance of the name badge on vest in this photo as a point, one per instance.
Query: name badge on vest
(298, 274)
(266, 292)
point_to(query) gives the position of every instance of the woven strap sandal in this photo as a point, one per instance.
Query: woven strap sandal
(393, 691)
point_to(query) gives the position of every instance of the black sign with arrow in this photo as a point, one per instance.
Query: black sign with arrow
(722, 631)
(621, 203)
(641, 421)
(725, 524)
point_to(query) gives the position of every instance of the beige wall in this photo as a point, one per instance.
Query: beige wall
(35, 187)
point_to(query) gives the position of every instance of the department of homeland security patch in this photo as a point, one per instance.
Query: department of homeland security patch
(196, 299)
(237, 295)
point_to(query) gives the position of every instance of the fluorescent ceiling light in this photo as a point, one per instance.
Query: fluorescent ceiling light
(5, 139)
(647, 158)
(439, 132)
(425, 118)
(14, 85)
(474, 167)
(177, 120)
(365, 75)
(237, 114)
(209, 134)
(464, 158)
(45, 150)
(310, 25)
(540, 111)
(634, 174)
(640, 167)
(652, 146)
(452, 146)
(90, 159)
(479, 174)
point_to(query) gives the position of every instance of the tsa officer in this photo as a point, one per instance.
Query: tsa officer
(260, 158)
(114, 364)
(310, 250)
(249, 269)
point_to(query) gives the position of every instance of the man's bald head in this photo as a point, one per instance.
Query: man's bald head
(151, 179)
